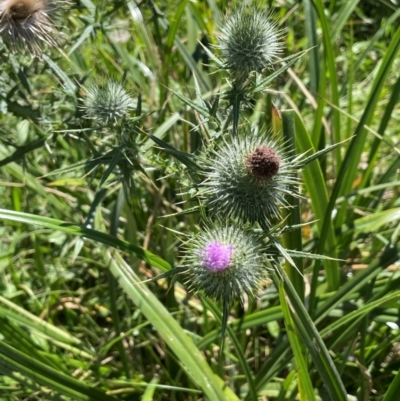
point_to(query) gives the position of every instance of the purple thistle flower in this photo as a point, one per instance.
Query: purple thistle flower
(217, 257)
(224, 263)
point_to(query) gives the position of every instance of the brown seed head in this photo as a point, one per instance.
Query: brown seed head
(21, 9)
(263, 163)
(26, 24)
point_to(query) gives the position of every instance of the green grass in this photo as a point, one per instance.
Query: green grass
(87, 215)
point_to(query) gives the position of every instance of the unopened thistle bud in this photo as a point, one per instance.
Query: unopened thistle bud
(249, 42)
(107, 103)
(27, 23)
(224, 263)
(247, 179)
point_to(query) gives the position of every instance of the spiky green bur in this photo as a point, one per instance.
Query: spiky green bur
(247, 179)
(224, 263)
(249, 42)
(108, 103)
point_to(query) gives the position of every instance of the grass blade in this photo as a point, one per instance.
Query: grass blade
(394, 389)
(15, 360)
(182, 345)
(314, 343)
(318, 192)
(348, 170)
(239, 351)
(305, 386)
(333, 79)
(293, 239)
(312, 43)
(79, 231)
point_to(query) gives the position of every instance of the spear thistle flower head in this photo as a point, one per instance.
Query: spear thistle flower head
(107, 103)
(27, 23)
(224, 263)
(216, 256)
(247, 178)
(249, 42)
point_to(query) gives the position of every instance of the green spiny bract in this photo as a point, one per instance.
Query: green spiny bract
(108, 103)
(248, 179)
(249, 42)
(224, 263)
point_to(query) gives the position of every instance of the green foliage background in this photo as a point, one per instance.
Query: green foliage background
(74, 323)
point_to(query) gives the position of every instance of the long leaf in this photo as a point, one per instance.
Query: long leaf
(389, 256)
(364, 310)
(80, 231)
(348, 170)
(292, 239)
(182, 345)
(318, 192)
(314, 343)
(312, 42)
(238, 350)
(15, 360)
(333, 79)
(305, 387)
(392, 394)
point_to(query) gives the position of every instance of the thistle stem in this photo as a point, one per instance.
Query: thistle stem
(236, 113)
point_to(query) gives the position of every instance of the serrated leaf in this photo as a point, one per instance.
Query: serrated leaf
(308, 255)
(289, 61)
(303, 162)
(195, 106)
(185, 158)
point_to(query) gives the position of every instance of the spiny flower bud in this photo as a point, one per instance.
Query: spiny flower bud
(27, 23)
(249, 41)
(248, 179)
(107, 103)
(224, 263)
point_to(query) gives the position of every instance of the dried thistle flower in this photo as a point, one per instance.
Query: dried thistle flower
(107, 103)
(248, 178)
(249, 42)
(27, 24)
(224, 263)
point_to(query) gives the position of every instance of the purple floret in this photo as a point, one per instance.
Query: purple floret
(217, 257)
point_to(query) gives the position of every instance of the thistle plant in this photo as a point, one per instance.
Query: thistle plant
(90, 202)
(110, 107)
(224, 263)
(249, 42)
(248, 178)
(107, 104)
(29, 24)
